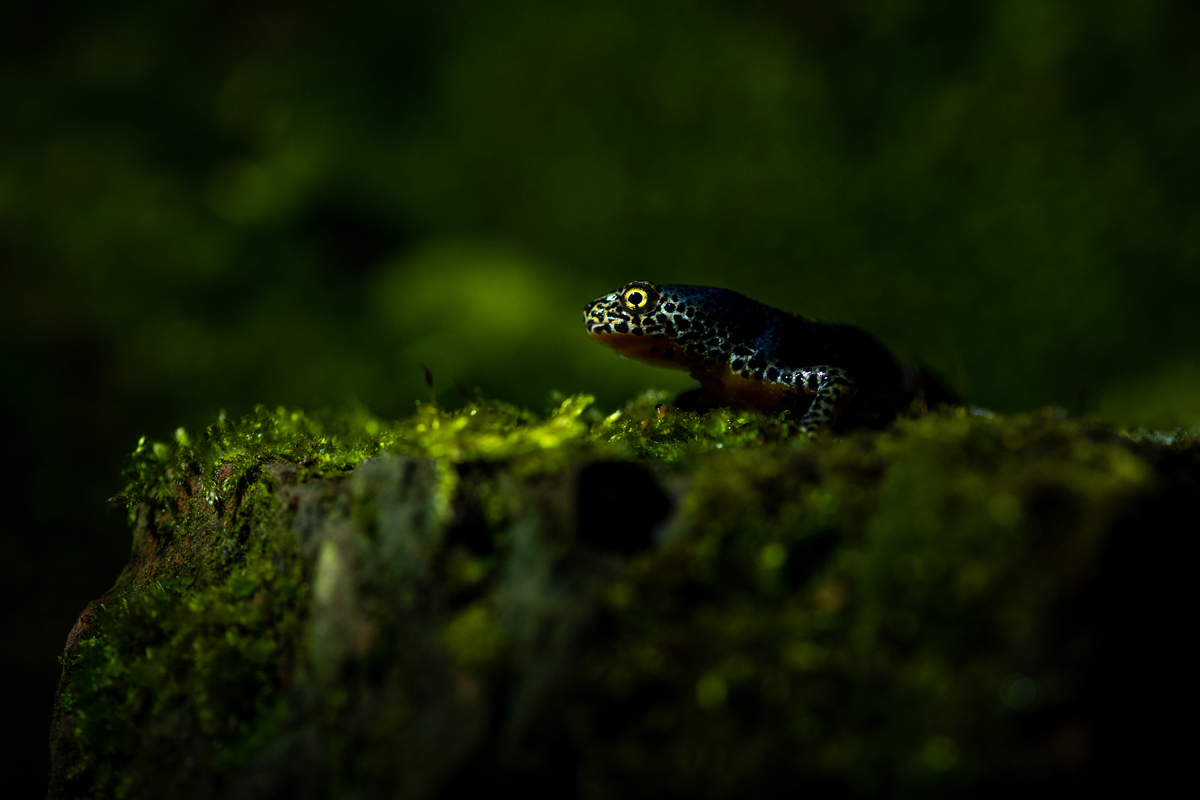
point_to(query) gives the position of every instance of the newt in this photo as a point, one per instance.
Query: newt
(749, 355)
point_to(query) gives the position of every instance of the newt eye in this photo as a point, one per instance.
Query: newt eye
(636, 298)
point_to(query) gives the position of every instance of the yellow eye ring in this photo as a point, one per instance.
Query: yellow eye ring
(636, 298)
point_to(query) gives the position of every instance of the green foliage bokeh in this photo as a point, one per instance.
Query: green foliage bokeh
(254, 203)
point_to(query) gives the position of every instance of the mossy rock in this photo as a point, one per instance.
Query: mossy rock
(631, 605)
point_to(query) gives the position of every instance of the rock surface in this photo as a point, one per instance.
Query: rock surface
(630, 605)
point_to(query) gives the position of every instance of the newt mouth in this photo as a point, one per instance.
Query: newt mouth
(603, 318)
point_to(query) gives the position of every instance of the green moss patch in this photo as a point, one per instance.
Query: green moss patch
(626, 604)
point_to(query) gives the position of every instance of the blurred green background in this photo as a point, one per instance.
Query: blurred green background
(211, 205)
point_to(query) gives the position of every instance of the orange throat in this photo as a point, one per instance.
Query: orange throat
(657, 352)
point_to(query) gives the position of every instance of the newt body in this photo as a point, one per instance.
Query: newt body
(749, 355)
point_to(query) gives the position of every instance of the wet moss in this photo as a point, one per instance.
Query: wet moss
(638, 603)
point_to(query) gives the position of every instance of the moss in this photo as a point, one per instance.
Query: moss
(852, 608)
(631, 603)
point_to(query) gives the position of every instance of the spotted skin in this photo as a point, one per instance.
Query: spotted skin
(748, 355)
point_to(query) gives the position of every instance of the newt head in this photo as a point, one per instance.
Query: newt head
(622, 311)
(633, 322)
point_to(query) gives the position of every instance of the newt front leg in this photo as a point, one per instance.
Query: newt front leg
(831, 388)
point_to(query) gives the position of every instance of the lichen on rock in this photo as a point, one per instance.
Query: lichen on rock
(631, 604)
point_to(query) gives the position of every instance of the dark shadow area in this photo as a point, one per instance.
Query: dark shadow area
(618, 505)
(1123, 650)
